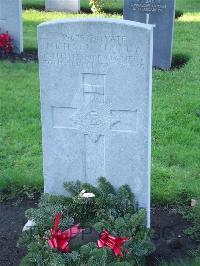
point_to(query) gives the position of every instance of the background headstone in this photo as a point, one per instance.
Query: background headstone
(160, 13)
(96, 78)
(11, 21)
(63, 5)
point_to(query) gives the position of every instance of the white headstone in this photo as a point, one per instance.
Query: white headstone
(96, 83)
(63, 5)
(11, 21)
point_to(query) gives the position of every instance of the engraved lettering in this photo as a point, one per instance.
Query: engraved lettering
(149, 6)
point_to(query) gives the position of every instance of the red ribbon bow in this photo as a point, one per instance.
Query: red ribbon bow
(114, 243)
(60, 240)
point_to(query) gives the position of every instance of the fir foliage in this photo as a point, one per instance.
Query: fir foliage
(114, 210)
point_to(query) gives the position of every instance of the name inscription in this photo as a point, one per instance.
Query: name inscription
(111, 49)
(149, 6)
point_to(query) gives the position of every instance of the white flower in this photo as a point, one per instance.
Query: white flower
(28, 225)
(86, 195)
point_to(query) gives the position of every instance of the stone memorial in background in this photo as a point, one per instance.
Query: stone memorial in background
(11, 22)
(160, 13)
(96, 78)
(63, 5)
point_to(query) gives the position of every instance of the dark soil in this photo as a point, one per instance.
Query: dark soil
(12, 220)
(169, 238)
(23, 57)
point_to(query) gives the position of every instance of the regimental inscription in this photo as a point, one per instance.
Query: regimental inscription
(149, 6)
(95, 119)
(64, 51)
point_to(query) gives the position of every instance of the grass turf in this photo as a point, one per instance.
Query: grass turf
(176, 126)
(109, 5)
(116, 5)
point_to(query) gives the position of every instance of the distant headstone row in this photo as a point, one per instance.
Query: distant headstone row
(63, 5)
(11, 22)
(96, 78)
(160, 13)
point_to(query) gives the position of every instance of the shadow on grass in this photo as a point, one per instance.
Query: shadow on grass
(86, 10)
(178, 14)
(179, 61)
(39, 7)
(31, 50)
(27, 56)
(115, 10)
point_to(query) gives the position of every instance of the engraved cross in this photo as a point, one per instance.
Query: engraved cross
(97, 121)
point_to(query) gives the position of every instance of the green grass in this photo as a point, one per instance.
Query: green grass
(20, 127)
(176, 128)
(113, 6)
(117, 5)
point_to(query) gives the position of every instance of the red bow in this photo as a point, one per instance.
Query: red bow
(114, 243)
(60, 240)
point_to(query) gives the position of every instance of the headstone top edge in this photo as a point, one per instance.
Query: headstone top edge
(147, 27)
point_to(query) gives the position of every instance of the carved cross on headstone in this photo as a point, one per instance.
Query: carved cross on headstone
(96, 120)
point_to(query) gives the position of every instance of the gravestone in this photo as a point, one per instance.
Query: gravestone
(11, 22)
(160, 13)
(63, 5)
(95, 79)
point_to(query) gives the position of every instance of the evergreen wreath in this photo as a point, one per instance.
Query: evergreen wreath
(112, 210)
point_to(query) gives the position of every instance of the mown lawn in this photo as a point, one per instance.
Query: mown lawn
(116, 5)
(112, 5)
(176, 127)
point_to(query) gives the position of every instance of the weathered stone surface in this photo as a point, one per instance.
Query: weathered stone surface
(63, 5)
(96, 78)
(11, 21)
(160, 13)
